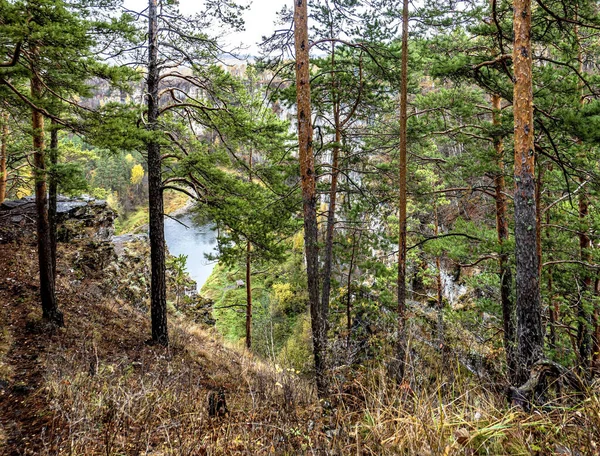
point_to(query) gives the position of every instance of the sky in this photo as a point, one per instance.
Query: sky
(260, 19)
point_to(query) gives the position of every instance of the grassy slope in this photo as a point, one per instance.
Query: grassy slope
(95, 387)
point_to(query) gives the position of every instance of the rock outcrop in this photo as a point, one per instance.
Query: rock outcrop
(80, 218)
(85, 229)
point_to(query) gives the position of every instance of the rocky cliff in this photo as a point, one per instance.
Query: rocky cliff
(85, 232)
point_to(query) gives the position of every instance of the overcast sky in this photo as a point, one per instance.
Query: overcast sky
(260, 18)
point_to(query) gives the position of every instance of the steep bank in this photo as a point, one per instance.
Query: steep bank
(95, 387)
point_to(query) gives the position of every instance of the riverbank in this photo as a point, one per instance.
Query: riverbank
(136, 222)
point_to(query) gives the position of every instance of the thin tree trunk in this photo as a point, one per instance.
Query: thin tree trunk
(248, 296)
(584, 323)
(249, 277)
(47, 291)
(552, 303)
(158, 307)
(402, 336)
(53, 195)
(328, 257)
(584, 336)
(3, 157)
(349, 286)
(508, 305)
(309, 192)
(440, 296)
(529, 316)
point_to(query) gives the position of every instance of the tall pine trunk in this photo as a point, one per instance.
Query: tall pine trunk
(402, 199)
(309, 192)
(508, 305)
(47, 291)
(158, 306)
(3, 157)
(530, 334)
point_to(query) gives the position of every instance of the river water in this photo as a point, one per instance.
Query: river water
(194, 241)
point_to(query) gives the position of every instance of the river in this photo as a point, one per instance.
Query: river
(194, 241)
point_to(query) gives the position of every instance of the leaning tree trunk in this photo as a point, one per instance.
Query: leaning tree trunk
(529, 315)
(3, 157)
(158, 306)
(47, 291)
(402, 199)
(309, 192)
(53, 194)
(508, 305)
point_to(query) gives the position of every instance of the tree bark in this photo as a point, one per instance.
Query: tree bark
(3, 157)
(402, 199)
(508, 305)
(158, 307)
(47, 291)
(309, 192)
(529, 316)
(53, 195)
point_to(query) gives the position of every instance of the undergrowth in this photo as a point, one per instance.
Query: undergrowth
(96, 388)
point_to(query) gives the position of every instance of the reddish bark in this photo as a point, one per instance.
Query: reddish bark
(530, 335)
(309, 192)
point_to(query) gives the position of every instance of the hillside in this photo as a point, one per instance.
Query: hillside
(97, 387)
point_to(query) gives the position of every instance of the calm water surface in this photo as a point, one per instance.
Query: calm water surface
(193, 241)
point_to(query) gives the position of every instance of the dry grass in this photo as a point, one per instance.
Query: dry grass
(95, 388)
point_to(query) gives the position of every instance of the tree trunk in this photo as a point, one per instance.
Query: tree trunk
(349, 287)
(584, 317)
(158, 307)
(552, 302)
(584, 336)
(248, 296)
(53, 195)
(328, 257)
(3, 157)
(249, 276)
(508, 305)
(529, 316)
(440, 296)
(402, 336)
(309, 191)
(47, 291)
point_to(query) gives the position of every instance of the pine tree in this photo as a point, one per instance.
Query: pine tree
(309, 192)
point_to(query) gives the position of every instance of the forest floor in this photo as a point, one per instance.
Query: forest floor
(96, 387)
